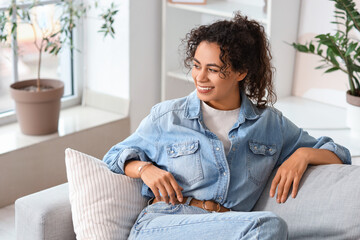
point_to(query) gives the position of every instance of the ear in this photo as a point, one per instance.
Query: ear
(242, 75)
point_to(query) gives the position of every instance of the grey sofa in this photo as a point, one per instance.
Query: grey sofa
(327, 207)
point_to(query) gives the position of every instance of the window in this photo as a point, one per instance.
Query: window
(23, 63)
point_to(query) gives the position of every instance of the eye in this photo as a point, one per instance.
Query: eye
(196, 66)
(213, 70)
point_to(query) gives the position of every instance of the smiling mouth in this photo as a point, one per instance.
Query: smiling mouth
(204, 88)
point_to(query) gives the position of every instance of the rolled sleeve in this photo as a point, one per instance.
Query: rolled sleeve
(340, 151)
(295, 137)
(141, 145)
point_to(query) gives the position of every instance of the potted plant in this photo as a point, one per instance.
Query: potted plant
(38, 100)
(340, 52)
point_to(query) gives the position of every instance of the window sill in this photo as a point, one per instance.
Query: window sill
(71, 120)
(320, 119)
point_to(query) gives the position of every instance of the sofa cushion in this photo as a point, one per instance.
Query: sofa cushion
(104, 205)
(327, 205)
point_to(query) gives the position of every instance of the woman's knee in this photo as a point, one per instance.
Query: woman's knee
(275, 225)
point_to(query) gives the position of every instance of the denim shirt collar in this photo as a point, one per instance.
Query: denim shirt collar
(247, 110)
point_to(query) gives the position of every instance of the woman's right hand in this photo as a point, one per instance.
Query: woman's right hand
(158, 180)
(161, 181)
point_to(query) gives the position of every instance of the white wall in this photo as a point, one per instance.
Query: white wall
(106, 61)
(40, 166)
(145, 58)
(129, 65)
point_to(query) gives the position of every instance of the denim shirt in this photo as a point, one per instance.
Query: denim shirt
(174, 138)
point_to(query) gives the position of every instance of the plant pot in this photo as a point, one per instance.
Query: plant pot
(38, 112)
(353, 112)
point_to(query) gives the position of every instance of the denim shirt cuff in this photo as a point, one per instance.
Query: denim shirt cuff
(342, 152)
(126, 155)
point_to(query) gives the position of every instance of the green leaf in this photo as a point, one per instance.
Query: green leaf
(339, 12)
(311, 47)
(321, 36)
(52, 50)
(351, 48)
(300, 48)
(322, 66)
(332, 69)
(331, 55)
(340, 23)
(355, 67)
(57, 51)
(53, 35)
(13, 28)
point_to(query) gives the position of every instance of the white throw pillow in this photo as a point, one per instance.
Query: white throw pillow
(104, 205)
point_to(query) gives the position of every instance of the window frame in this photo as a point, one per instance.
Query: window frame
(75, 65)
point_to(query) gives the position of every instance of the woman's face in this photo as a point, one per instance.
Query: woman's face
(219, 91)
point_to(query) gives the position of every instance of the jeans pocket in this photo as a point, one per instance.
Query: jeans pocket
(185, 163)
(140, 219)
(155, 210)
(260, 161)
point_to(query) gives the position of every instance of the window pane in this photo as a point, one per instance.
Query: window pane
(46, 22)
(55, 67)
(6, 103)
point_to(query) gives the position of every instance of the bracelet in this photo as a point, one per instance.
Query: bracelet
(142, 167)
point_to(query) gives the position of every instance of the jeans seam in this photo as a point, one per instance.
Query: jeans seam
(184, 224)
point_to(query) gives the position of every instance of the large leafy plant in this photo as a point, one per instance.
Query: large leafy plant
(338, 51)
(54, 34)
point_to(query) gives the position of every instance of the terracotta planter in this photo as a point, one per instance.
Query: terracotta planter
(38, 112)
(353, 112)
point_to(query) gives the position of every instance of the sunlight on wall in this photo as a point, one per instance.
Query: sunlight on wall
(106, 61)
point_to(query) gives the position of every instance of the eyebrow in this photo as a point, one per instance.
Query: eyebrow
(210, 64)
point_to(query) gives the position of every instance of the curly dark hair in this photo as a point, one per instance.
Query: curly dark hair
(243, 47)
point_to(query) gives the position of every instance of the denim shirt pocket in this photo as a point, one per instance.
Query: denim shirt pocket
(260, 161)
(184, 162)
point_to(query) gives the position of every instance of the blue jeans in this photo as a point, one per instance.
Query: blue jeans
(165, 221)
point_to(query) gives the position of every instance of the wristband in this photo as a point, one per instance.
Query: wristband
(142, 167)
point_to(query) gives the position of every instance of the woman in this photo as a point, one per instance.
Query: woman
(213, 151)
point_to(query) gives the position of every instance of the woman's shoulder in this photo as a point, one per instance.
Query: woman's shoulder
(167, 106)
(270, 111)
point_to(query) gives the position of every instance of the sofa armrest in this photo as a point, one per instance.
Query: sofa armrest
(327, 205)
(45, 215)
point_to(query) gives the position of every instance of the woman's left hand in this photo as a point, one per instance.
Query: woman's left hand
(289, 173)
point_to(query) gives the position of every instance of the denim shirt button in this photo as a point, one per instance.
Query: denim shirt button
(217, 149)
(224, 173)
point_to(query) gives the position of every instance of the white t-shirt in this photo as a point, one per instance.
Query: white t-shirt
(220, 122)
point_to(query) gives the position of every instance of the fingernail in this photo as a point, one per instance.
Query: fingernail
(180, 199)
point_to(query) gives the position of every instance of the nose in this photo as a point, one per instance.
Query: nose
(201, 75)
